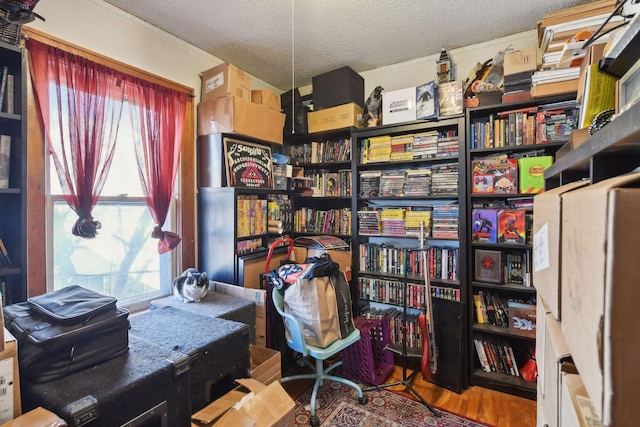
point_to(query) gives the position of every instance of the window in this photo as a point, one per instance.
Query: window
(123, 259)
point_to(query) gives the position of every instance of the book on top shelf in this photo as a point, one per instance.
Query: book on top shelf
(427, 104)
(321, 241)
(450, 98)
(5, 160)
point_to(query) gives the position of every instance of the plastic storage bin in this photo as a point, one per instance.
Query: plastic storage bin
(367, 360)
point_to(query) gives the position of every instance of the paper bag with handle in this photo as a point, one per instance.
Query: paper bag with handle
(317, 294)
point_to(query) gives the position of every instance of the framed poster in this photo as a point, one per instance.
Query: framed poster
(249, 165)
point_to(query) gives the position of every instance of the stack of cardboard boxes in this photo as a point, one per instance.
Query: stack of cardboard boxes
(586, 272)
(230, 105)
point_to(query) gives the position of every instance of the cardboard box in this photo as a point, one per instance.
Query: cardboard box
(555, 88)
(267, 98)
(342, 116)
(10, 404)
(522, 319)
(399, 106)
(38, 417)
(551, 353)
(576, 409)
(531, 173)
(521, 60)
(225, 80)
(600, 293)
(337, 87)
(547, 251)
(252, 403)
(237, 115)
(258, 296)
(266, 365)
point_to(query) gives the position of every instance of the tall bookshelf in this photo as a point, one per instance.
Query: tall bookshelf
(499, 215)
(406, 175)
(13, 197)
(234, 223)
(324, 160)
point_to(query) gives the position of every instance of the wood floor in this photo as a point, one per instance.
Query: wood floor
(481, 404)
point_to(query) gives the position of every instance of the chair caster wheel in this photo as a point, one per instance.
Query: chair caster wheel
(363, 400)
(315, 421)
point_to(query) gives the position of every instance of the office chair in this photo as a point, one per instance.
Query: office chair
(298, 344)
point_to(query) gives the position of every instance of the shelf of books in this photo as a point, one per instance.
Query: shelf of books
(13, 260)
(321, 182)
(509, 148)
(407, 186)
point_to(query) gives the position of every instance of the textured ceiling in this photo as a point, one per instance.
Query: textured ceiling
(262, 36)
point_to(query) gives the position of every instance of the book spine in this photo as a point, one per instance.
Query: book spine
(5, 160)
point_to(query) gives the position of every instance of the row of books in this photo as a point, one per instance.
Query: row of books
(5, 160)
(396, 320)
(332, 221)
(424, 145)
(391, 292)
(384, 258)
(252, 216)
(436, 180)
(329, 184)
(7, 91)
(496, 355)
(279, 213)
(525, 126)
(503, 267)
(445, 221)
(491, 309)
(321, 152)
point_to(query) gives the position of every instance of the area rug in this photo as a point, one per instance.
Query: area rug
(337, 405)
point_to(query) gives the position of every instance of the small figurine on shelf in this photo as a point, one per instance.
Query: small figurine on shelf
(373, 109)
(443, 67)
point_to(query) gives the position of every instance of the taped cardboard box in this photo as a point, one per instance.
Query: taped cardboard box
(225, 80)
(600, 230)
(266, 97)
(576, 409)
(266, 364)
(521, 60)
(250, 404)
(236, 115)
(551, 353)
(547, 234)
(258, 296)
(10, 403)
(342, 116)
(38, 417)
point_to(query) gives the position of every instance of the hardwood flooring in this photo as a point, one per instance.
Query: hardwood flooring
(480, 404)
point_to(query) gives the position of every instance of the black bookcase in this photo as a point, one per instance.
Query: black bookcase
(13, 197)
(447, 256)
(491, 337)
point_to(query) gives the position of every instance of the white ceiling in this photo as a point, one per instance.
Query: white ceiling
(262, 36)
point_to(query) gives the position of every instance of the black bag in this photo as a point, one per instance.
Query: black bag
(65, 331)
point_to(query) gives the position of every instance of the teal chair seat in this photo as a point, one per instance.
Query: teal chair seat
(298, 344)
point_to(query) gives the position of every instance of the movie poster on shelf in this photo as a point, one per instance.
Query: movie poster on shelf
(248, 165)
(427, 101)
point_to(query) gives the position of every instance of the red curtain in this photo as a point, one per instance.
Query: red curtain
(157, 115)
(80, 105)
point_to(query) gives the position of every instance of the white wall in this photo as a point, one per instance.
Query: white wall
(102, 28)
(422, 70)
(107, 30)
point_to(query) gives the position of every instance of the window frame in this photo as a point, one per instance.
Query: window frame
(38, 207)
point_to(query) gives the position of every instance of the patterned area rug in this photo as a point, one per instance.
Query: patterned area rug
(337, 405)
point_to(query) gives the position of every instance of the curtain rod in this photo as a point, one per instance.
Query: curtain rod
(104, 60)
